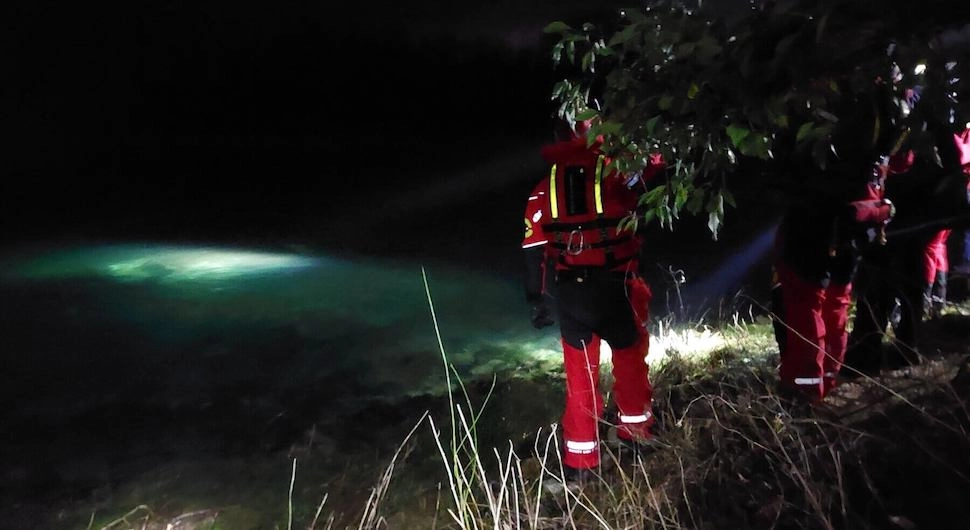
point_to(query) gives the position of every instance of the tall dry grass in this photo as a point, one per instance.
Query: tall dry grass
(884, 452)
(735, 454)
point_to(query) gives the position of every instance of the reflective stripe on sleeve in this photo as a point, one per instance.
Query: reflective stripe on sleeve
(530, 245)
(581, 448)
(808, 380)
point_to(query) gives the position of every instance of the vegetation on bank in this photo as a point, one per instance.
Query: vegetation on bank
(882, 452)
(735, 97)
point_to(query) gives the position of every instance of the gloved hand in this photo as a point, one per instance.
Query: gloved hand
(871, 212)
(541, 316)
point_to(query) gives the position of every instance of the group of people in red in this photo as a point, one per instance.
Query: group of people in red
(572, 240)
(836, 227)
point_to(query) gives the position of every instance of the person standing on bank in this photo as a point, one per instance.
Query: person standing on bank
(833, 214)
(571, 223)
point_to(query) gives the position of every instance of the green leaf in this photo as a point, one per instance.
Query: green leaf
(666, 216)
(630, 222)
(559, 88)
(755, 145)
(804, 131)
(692, 91)
(557, 27)
(715, 216)
(652, 197)
(714, 223)
(680, 200)
(607, 128)
(665, 102)
(603, 50)
(623, 36)
(696, 202)
(652, 124)
(737, 134)
(587, 114)
(625, 223)
(557, 52)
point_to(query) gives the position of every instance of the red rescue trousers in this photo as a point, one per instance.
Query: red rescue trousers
(631, 389)
(816, 337)
(935, 257)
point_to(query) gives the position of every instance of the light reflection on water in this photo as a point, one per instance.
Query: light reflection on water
(319, 295)
(179, 264)
(173, 356)
(208, 364)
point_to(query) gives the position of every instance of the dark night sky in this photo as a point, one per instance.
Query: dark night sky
(220, 120)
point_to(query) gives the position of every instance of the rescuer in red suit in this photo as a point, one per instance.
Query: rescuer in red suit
(571, 235)
(936, 267)
(833, 213)
(907, 277)
(877, 285)
(936, 262)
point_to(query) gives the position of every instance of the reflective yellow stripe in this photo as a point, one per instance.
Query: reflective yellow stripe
(553, 199)
(598, 185)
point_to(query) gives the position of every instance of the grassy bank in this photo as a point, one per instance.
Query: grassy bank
(888, 451)
(881, 452)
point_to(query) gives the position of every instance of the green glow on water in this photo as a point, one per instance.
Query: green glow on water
(178, 264)
(332, 307)
(377, 303)
(205, 322)
(161, 263)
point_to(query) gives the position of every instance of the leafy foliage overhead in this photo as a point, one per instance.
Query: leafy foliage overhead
(772, 83)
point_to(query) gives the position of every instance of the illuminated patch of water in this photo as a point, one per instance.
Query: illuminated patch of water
(162, 263)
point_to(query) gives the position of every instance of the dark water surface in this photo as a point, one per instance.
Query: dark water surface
(186, 376)
(147, 374)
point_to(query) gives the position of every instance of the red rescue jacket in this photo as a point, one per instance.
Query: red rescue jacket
(576, 209)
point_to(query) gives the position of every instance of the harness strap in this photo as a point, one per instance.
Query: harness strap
(600, 222)
(599, 244)
(611, 262)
